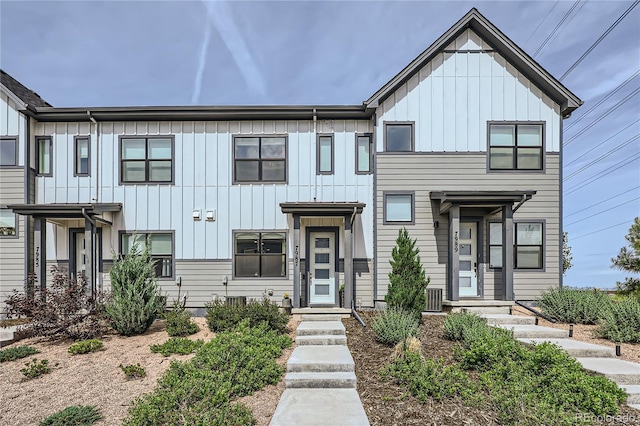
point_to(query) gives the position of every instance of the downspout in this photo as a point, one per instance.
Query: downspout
(94, 121)
(525, 197)
(315, 177)
(27, 199)
(94, 250)
(374, 156)
(353, 265)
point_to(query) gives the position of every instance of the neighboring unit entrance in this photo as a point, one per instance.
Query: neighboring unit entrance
(322, 267)
(468, 259)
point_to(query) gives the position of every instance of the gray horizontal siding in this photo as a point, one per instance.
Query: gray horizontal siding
(12, 249)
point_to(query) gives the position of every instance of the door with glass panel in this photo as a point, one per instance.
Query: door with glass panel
(468, 259)
(322, 267)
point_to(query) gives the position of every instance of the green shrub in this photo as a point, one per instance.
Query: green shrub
(136, 300)
(456, 322)
(394, 325)
(77, 415)
(621, 322)
(484, 346)
(577, 306)
(179, 321)
(133, 371)
(177, 345)
(85, 346)
(35, 368)
(18, 352)
(223, 317)
(407, 279)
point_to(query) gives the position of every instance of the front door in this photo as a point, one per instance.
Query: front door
(468, 261)
(322, 267)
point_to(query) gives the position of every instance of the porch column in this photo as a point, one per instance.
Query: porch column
(40, 251)
(348, 262)
(454, 253)
(507, 252)
(296, 260)
(89, 250)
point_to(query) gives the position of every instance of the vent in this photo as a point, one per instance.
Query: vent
(434, 300)
(236, 300)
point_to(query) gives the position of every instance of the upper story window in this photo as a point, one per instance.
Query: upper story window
(146, 159)
(260, 159)
(159, 244)
(528, 245)
(515, 146)
(8, 152)
(8, 227)
(44, 156)
(364, 158)
(398, 207)
(82, 147)
(260, 254)
(324, 155)
(398, 136)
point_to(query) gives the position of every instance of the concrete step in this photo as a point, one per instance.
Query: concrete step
(5, 341)
(314, 328)
(495, 319)
(634, 393)
(576, 348)
(635, 406)
(620, 371)
(320, 380)
(322, 340)
(487, 310)
(319, 407)
(535, 331)
(318, 359)
(321, 317)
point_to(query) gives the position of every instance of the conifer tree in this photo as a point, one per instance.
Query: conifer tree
(628, 259)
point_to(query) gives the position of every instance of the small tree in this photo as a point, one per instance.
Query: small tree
(136, 299)
(407, 279)
(566, 253)
(628, 259)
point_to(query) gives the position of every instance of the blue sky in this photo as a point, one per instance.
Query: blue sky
(116, 53)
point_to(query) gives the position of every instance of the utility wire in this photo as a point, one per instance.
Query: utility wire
(599, 145)
(555, 30)
(603, 229)
(541, 22)
(597, 42)
(603, 211)
(602, 174)
(601, 101)
(603, 156)
(601, 202)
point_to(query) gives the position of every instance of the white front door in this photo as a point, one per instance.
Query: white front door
(468, 259)
(322, 267)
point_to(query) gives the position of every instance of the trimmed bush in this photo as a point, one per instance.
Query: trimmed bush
(457, 322)
(85, 346)
(572, 305)
(177, 345)
(223, 317)
(394, 325)
(18, 352)
(621, 322)
(76, 415)
(179, 321)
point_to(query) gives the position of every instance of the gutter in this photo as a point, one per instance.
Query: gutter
(525, 198)
(94, 121)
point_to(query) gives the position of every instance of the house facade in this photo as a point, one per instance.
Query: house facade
(462, 147)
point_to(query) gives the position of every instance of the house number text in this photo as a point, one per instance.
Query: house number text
(455, 242)
(296, 256)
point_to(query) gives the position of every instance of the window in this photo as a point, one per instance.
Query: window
(146, 159)
(8, 152)
(260, 159)
(160, 246)
(527, 248)
(515, 146)
(398, 207)
(7, 223)
(324, 154)
(260, 254)
(81, 156)
(398, 137)
(44, 156)
(363, 154)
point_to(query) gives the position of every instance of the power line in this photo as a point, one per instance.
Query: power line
(613, 92)
(602, 143)
(602, 174)
(602, 202)
(603, 229)
(542, 22)
(603, 211)
(603, 156)
(557, 27)
(597, 42)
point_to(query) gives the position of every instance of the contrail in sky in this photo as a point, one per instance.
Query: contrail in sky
(197, 85)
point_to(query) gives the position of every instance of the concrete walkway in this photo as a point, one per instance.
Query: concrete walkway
(596, 358)
(320, 381)
(7, 335)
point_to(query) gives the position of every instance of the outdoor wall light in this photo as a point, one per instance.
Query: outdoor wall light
(196, 214)
(436, 224)
(211, 215)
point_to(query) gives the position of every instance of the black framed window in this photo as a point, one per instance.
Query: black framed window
(44, 156)
(364, 155)
(82, 156)
(398, 136)
(324, 155)
(398, 207)
(146, 159)
(8, 223)
(516, 146)
(8, 152)
(260, 159)
(260, 254)
(527, 249)
(159, 244)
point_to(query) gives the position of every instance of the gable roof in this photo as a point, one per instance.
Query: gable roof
(502, 44)
(26, 96)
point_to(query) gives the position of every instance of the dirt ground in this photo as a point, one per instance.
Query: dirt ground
(95, 379)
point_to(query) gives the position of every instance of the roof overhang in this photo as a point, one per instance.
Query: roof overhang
(479, 199)
(64, 211)
(501, 43)
(312, 208)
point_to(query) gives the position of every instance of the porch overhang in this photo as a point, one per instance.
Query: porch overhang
(479, 199)
(63, 210)
(322, 208)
